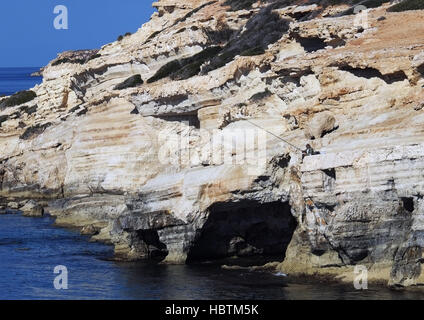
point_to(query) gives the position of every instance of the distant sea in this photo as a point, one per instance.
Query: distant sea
(17, 79)
(31, 248)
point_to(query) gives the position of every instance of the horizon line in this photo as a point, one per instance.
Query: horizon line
(20, 67)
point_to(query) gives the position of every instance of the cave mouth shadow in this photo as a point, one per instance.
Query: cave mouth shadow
(154, 248)
(248, 230)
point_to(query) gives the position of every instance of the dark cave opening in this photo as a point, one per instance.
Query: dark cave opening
(155, 249)
(246, 229)
(395, 77)
(408, 203)
(366, 73)
(311, 44)
(330, 172)
(421, 69)
(369, 73)
(190, 119)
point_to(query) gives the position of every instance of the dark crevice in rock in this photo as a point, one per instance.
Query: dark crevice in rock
(79, 81)
(336, 42)
(326, 206)
(311, 44)
(170, 100)
(79, 110)
(74, 108)
(282, 162)
(391, 184)
(395, 77)
(219, 36)
(244, 229)
(369, 73)
(166, 70)
(260, 95)
(82, 112)
(135, 111)
(190, 119)
(94, 56)
(420, 69)
(358, 255)
(318, 252)
(408, 203)
(330, 172)
(330, 207)
(155, 249)
(299, 16)
(29, 110)
(3, 119)
(325, 132)
(131, 82)
(34, 131)
(152, 36)
(293, 75)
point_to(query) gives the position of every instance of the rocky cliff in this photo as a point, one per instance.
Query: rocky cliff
(183, 141)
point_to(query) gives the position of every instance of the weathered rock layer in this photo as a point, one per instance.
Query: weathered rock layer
(182, 142)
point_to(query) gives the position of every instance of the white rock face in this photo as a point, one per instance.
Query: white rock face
(202, 157)
(321, 124)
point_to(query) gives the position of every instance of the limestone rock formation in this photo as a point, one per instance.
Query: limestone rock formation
(201, 157)
(32, 209)
(320, 124)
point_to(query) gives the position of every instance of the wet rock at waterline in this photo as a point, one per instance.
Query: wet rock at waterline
(32, 209)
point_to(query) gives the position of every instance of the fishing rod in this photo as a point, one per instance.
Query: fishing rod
(278, 137)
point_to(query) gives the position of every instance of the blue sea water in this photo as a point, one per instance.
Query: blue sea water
(17, 79)
(31, 248)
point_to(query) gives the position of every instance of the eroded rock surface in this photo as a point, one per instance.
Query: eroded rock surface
(151, 167)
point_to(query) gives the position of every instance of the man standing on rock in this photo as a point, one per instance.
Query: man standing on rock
(309, 151)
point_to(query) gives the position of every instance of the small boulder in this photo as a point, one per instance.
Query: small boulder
(321, 124)
(13, 205)
(89, 230)
(32, 209)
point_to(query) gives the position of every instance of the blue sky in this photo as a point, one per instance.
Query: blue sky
(29, 39)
